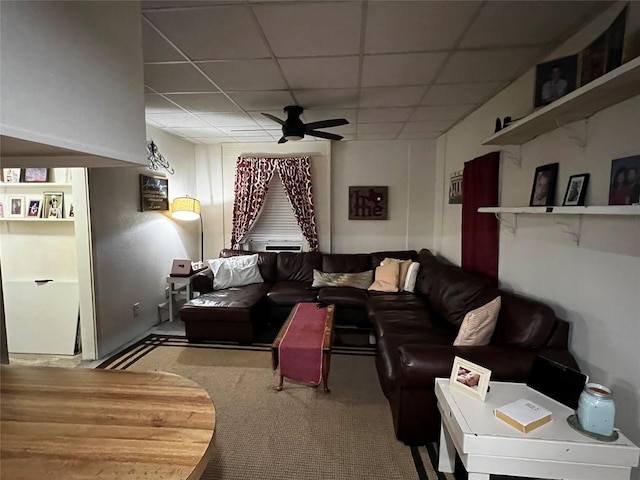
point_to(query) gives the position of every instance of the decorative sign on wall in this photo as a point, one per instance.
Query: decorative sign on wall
(154, 193)
(455, 188)
(368, 203)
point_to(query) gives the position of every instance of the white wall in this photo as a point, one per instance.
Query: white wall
(133, 250)
(594, 285)
(407, 167)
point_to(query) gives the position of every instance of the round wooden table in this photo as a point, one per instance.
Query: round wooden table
(76, 423)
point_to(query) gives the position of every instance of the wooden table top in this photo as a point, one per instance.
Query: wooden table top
(76, 423)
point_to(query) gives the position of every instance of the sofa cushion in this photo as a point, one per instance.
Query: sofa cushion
(298, 267)
(234, 298)
(411, 278)
(290, 293)
(266, 261)
(344, 297)
(381, 301)
(403, 270)
(235, 271)
(356, 280)
(346, 262)
(523, 322)
(387, 277)
(478, 325)
(412, 326)
(378, 257)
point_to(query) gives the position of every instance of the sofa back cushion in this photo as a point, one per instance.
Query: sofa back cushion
(266, 262)
(346, 262)
(378, 257)
(298, 267)
(523, 322)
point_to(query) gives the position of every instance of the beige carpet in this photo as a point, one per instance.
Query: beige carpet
(299, 433)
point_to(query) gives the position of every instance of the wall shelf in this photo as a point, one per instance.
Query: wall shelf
(620, 210)
(609, 89)
(38, 185)
(45, 220)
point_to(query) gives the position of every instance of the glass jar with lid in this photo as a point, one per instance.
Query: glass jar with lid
(596, 409)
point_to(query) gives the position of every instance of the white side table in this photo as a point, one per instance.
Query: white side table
(179, 286)
(487, 445)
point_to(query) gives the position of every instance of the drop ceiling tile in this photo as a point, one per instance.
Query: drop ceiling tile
(265, 121)
(461, 93)
(203, 102)
(427, 127)
(262, 101)
(228, 119)
(343, 130)
(376, 136)
(315, 115)
(245, 132)
(449, 112)
(155, 103)
(256, 139)
(198, 132)
(176, 77)
(400, 69)
(150, 121)
(311, 29)
(391, 96)
(487, 65)
(418, 135)
(155, 48)
(204, 33)
(365, 128)
(163, 4)
(505, 24)
(212, 140)
(262, 74)
(322, 72)
(416, 26)
(376, 115)
(179, 120)
(329, 98)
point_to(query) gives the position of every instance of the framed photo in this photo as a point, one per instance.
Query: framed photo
(543, 191)
(35, 175)
(368, 203)
(470, 378)
(11, 175)
(455, 188)
(16, 206)
(33, 207)
(625, 182)
(555, 79)
(154, 193)
(52, 205)
(576, 190)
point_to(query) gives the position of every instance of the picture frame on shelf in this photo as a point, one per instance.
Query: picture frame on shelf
(52, 205)
(34, 207)
(2, 206)
(543, 191)
(68, 206)
(35, 175)
(470, 378)
(624, 186)
(576, 190)
(16, 206)
(555, 79)
(11, 175)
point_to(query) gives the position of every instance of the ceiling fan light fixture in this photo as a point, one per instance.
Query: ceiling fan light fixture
(293, 138)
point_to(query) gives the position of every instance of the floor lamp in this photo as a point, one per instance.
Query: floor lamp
(188, 208)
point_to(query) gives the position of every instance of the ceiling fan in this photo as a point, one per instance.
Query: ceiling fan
(294, 129)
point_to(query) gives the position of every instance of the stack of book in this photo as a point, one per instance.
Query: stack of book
(523, 415)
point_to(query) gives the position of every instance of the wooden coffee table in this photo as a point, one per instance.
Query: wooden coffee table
(487, 445)
(326, 345)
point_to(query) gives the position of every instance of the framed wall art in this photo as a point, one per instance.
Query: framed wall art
(543, 191)
(455, 188)
(34, 175)
(470, 378)
(52, 205)
(368, 203)
(16, 206)
(33, 207)
(11, 175)
(576, 190)
(555, 79)
(624, 186)
(154, 193)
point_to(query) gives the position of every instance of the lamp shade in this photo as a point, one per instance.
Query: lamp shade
(186, 208)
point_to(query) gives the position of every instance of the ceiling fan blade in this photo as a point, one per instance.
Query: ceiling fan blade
(335, 122)
(328, 136)
(282, 140)
(275, 119)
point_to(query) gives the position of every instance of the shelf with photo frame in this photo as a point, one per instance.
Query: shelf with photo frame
(25, 202)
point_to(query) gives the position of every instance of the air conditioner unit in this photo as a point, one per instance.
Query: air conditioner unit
(275, 245)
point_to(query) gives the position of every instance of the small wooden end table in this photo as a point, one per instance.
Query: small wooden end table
(326, 345)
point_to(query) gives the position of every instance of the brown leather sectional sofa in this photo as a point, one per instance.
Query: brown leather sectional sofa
(414, 332)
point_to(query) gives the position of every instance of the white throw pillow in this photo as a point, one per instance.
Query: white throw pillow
(235, 271)
(478, 325)
(412, 275)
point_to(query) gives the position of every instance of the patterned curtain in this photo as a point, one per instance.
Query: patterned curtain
(295, 174)
(250, 191)
(253, 175)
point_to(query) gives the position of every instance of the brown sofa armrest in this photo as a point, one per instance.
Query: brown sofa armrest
(203, 282)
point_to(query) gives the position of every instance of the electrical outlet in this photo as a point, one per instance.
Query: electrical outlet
(136, 309)
(167, 292)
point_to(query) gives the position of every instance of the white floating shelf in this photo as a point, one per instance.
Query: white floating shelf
(609, 89)
(41, 220)
(625, 210)
(39, 185)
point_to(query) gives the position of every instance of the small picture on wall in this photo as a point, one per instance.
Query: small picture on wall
(368, 203)
(16, 206)
(33, 209)
(625, 182)
(35, 175)
(455, 188)
(11, 175)
(576, 190)
(52, 206)
(555, 79)
(543, 191)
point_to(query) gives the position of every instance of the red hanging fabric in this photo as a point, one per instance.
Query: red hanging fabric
(480, 231)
